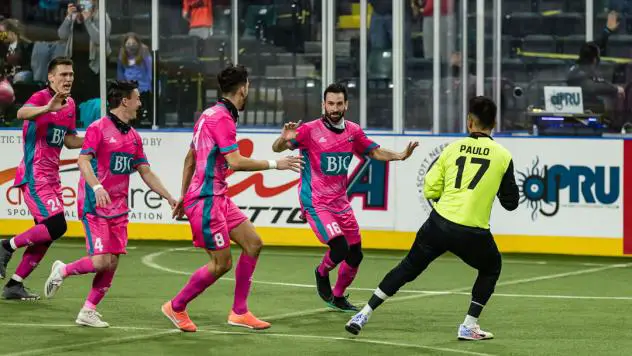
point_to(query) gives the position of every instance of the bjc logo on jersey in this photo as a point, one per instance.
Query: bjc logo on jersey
(55, 135)
(334, 164)
(121, 163)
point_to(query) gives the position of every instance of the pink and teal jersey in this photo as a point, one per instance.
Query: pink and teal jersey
(115, 156)
(214, 135)
(327, 156)
(43, 139)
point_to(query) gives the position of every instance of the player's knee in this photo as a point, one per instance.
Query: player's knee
(339, 249)
(355, 256)
(411, 269)
(495, 266)
(56, 226)
(101, 263)
(222, 266)
(254, 246)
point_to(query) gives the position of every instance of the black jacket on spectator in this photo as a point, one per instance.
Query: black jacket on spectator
(19, 61)
(592, 82)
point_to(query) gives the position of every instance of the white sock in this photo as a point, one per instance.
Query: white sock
(470, 321)
(378, 293)
(367, 310)
(17, 278)
(12, 243)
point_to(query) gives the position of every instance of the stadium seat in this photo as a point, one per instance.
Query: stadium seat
(551, 5)
(563, 24)
(181, 47)
(511, 6)
(521, 24)
(539, 43)
(515, 70)
(572, 44)
(548, 69)
(620, 46)
(419, 68)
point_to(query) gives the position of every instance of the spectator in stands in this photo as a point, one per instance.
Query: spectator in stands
(15, 52)
(623, 7)
(446, 25)
(599, 95)
(86, 13)
(199, 13)
(135, 62)
(381, 26)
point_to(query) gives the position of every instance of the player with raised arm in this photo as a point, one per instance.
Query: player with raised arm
(463, 183)
(214, 218)
(112, 151)
(328, 145)
(49, 124)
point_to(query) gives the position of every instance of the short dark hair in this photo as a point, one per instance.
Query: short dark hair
(336, 88)
(231, 78)
(59, 61)
(485, 110)
(118, 90)
(588, 53)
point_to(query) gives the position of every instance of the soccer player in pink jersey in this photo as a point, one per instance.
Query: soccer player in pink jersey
(328, 145)
(49, 124)
(112, 151)
(214, 218)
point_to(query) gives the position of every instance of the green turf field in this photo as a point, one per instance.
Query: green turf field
(544, 305)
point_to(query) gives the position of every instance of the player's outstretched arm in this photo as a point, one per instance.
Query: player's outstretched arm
(154, 183)
(33, 112)
(237, 162)
(288, 133)
(73, 142)
(102, 196)
(383, 154)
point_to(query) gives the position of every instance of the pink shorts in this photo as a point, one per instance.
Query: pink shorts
(105, 236)
(211, 220)
(43, 200)
(327, 225)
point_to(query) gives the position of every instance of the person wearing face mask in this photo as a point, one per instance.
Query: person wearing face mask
(328, 145)
(86, 13)
(15, 52)
(135, 62)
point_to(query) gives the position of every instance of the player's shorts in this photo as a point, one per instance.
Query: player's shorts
(211, 221)
(105, 236)
(43, 200)
(327, 224)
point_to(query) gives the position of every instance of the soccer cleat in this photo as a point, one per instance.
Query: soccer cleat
(91, 318)
(5, 257)
(247, 320)
(55, 279)
(323, 286)
(473, 333)
(342, 304)
(356, 323)
(18, 292)
(180, 319)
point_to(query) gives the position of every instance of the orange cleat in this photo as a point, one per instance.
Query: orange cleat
(247, 321)
(180, 319)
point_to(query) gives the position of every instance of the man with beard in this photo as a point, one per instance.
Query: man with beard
(49, 125)
(328, 145)
(214, 218)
